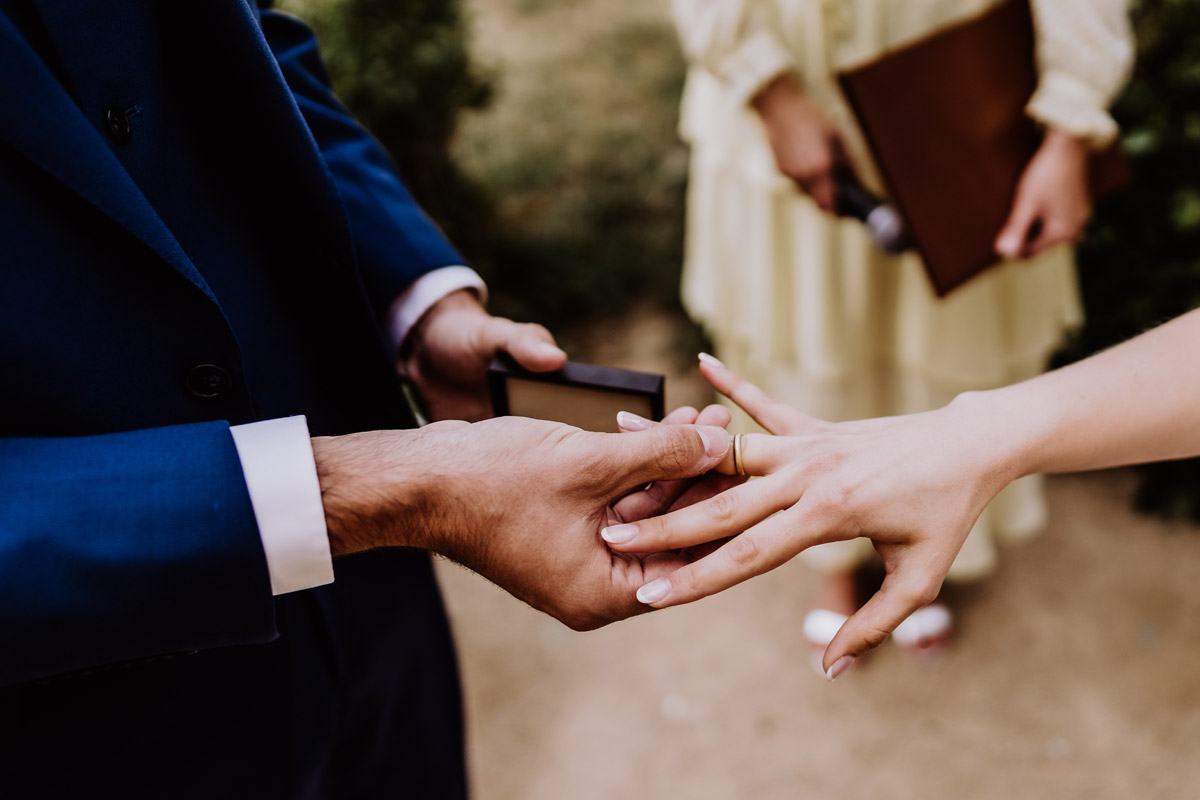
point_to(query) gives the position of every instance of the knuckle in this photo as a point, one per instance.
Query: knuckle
(920, 592)
(832, 500)
(810, 171)
(691, 584)
(652, 530)
(744, 550)
(675, 452)
(723, 507)
(875, 636)
(926, 591)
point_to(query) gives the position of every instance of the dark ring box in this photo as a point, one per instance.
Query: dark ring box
(583, 395)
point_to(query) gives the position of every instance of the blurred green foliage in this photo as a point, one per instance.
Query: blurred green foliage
(591, 188)
(1140, 262)
(568, 221)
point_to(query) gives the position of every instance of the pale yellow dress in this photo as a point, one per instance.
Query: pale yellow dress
(807, 306)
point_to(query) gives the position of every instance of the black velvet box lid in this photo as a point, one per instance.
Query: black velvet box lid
(584, 395)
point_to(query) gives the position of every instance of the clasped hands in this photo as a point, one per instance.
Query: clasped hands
(519, 501)
(593, 528)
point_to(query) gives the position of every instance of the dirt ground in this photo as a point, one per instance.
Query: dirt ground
(1075, 673)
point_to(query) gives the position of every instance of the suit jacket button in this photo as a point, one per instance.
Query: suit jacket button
(208, 381)
(117, 123)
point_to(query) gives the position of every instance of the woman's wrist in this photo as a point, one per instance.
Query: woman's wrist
(993, 429)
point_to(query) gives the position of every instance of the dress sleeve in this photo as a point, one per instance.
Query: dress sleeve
(735, 40)
(1085, 55)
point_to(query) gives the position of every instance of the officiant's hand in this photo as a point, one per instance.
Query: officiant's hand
(825, 482)
(808, 147)
(447, 353)
(1053, 202)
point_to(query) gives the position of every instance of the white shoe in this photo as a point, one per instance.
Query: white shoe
(820, 626)
(926, 631)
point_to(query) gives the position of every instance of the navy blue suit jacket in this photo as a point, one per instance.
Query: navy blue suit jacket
(226, 256)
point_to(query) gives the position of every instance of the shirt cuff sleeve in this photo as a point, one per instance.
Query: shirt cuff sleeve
(424, 292)
(758, 61)
(281, 476)
(1067, 103)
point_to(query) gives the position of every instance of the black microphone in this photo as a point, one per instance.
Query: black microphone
(883, 221)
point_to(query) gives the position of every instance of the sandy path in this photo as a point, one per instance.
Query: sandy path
(1076, 672)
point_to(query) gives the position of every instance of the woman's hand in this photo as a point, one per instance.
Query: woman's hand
(915, 485)
(1053, 201)
(808, 147)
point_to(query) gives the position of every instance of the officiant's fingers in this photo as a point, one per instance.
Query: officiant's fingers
(530, 344)
(823, 191)
(768, 412)
(759, 549)
(1053, 232)
(725, 514)
(1012, 241)
(903, 592)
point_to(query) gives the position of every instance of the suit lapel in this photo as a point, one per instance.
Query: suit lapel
(44, 123)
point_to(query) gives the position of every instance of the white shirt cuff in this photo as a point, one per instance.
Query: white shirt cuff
(425, 291)
(281, 476)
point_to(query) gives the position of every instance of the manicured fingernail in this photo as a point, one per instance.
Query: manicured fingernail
(654, 591)
(618, 534)
(841, 665)
(548, 350)
(711, 361)
(632, 422)
(716, 440)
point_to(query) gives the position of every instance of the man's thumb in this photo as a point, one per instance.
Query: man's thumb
(667, 453)
(531, 345)
(1010, 242)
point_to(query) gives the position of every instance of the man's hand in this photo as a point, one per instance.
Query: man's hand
(447, 353)
(519, 501)
(1053, 201)
(808, 147)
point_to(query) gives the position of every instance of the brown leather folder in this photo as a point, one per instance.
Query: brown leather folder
(945, 120)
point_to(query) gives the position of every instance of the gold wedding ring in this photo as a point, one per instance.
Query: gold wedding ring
(738, 466)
